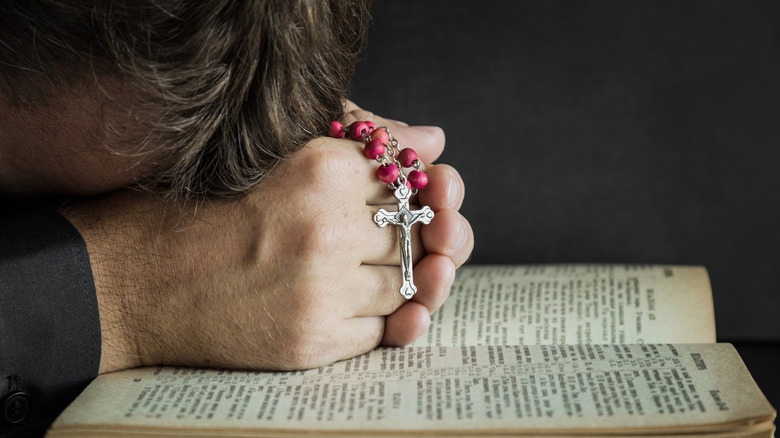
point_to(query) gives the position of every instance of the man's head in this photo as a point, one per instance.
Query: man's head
(206, 94)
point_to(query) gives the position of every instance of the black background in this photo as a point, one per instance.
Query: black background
(605, 131)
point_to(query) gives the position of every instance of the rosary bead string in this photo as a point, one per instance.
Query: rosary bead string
(381, 146)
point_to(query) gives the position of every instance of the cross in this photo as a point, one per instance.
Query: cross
(404, 219)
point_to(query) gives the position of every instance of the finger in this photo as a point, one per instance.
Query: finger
(348, 170)
(434, 276)
(378, 194)
(359, 335)
(449, 234)
(380, 292)
(427, 141)
(345, 169)
(405, 325)
(363, 115)
(444, 182)
(341, 165)
(445, 189)
(353, 112)
(356, 114)
(350, 106)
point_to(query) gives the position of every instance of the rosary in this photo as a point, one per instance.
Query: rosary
(383, 147)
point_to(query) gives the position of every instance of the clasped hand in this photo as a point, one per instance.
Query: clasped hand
(294, 275)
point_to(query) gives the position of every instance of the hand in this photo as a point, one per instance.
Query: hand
(294, 275)
(448, 240)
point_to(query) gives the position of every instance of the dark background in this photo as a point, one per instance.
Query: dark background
(605, 131)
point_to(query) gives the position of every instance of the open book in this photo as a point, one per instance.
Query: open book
(542, 350)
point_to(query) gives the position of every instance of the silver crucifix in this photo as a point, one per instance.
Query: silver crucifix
(404, 218)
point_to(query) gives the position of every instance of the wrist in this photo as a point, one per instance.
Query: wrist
(116, 238)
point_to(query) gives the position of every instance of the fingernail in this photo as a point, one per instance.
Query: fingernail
(453, 191)
(461, 234)
(452, 279)
(427, 129)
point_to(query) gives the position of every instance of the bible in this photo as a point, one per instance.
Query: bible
(521, 350)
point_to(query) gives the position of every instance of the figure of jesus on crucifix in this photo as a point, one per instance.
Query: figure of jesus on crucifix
(404, 219)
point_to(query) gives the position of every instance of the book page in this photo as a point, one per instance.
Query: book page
(492, 389)
(575, 304)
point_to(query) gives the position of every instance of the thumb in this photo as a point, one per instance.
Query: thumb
(427, 141)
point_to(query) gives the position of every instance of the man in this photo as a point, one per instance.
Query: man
(246, 242)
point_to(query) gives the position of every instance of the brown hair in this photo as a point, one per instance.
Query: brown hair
(226, 87)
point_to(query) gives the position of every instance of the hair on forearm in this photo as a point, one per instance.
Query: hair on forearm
(223, 88)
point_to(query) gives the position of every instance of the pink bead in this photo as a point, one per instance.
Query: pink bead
(374, 149)
(381, 135)
(371, 126)
(407, 156)
(387, 173)
(336, 130)
(357, 130)
(417, 179)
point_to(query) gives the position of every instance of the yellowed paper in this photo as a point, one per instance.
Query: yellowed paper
(575, 304)
(480, 390)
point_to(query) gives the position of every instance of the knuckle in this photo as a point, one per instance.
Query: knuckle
(325, 169)
(315, 239)
(318, 165)
(366, 340)
(389, 295)
(357, 114)
(307, 350)
(313, 349)
(306, 344)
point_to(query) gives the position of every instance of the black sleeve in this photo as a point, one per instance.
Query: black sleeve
(49, 320)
